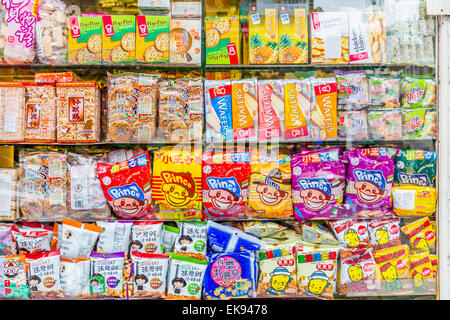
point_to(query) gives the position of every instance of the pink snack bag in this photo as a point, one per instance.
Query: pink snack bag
(318, 181)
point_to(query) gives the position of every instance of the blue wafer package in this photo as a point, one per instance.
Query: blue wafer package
(219, 117)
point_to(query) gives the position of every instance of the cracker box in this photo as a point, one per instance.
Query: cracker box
(185, 41)
(119, 38)
(152, 39)
(85, 40)
(329, 37)
(222, 40)
(293, 34)
(263, 35)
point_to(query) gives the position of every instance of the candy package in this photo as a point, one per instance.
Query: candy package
(114, 236)
(244, 109)
(324, 108)
(44, 275)
(384, 233)
(392, 267)
(357, 274)
(297, 109)
(13, 277)
(352, 125)
(78, 239)
(106, 275)
(270, 109)
(353, 89)
(419, 124)
(411, 200)
(384, 91)
(191, 240)
(420, 234)
(418, 91)
(416, 167)
(420, 270)
(146, 236)
(385, 124)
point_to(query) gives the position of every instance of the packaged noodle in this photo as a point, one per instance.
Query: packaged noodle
(410, 200)
(12, 108)
(297, 109)
(384, 91)
(185, 278)
(271, 109)
(353, 89)
(218, 104)
(418, 91)
(114, 237)
(384, 233)
(149, 275)
(191, 240)
(13, 277)
(244, 109)
(293, 33)
(78, 239)
(146, 236)
(416, 167)
(324, 108)
(168, 237)
(270, 184)
(419, 124)
(106, 274)
(420, 269)
(392, 266)
(231, 275)
(32, 240)
(385, 124)
(357, 274)
(44, 275)
(75, 277)
(225, 179)
(421, 235)
(263, 34)
(9, 194)
(177, 183)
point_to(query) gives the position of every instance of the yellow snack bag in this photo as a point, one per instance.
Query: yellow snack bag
(392, 265)
(270, 183)
(421, 235)
(434, 264)
(411, 200)
(420, 269)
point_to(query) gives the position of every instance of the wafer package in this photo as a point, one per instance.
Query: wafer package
(271, 109)
(244, 109)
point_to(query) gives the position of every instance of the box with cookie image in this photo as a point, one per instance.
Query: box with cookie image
(185, 41)
(222, 40)
(85, 40)
(152, 39)
(119, 38)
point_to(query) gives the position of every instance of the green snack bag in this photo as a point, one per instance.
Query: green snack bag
(419, 124)
(416, 167)
(418, 91)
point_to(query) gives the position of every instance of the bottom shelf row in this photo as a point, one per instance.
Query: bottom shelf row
(194, 260)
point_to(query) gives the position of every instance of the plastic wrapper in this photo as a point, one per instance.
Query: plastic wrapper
(262, 228)
(271, 110)
(353, 89)
(314, 232)
(384, 91)
(9, 194)
(297, 110)
(411, 200)
(114, 237)
(392, 266)
(353, 125)
(146, 236)
(191, 240)
(7, 243)
(353, 234)
(420, 269)
(418, 91)
(385, 124)
(324, 109)
(417, 167)
(218, 107)
(357, 274)
(78, 239)
(244, 109)
(44, 275)
(420, 234)
(420, 124)
(12, 108)
(75, 277)
(13, 277)
(168, 237)
(106, 274)
(58, 77)
(384, 233)
(32, 240)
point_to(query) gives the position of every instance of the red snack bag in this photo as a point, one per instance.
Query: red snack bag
(225, 183)
(126, 186)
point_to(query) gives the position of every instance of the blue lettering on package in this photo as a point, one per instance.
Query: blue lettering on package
(222, 107)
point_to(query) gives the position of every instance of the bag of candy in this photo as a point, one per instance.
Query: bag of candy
(357, 275)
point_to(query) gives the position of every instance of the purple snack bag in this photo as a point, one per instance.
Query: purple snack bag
(318, 180)
(370, 176)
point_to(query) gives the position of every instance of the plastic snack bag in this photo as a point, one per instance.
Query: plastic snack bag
(230, 275)
(185, 278)
(271, 109)
(168, 237)
(146, 236)
(318, 179)
(353, 125)
(191, 240)
(114, 236)
(75, 277)
(353, 89)
(313, 232)
(44, 275)
(417, 167)
(421, 269)
(106, 275)
(385, 124)
(421, 235)
(384, 233)
(392, 266)
(384, 91)
(244, 109)
(357, 274)
(78, 239)
(262, 228)
(419, 124)
(411, 200)
(126, 186)
(218, 104)
(297, 109)
(324, 109)
(225, 183)
(270, 184)
(7, 243)
(13, 277)
(31, 240)
(354, 234)
(149, 275)
(418, 91)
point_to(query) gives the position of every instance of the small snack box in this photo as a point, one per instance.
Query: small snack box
(222, 40)
(119, 38)
(85, 40)
(78, 112)
(12, 106)
(152, 39)
(293, 33)
(263, 35)
(185, 41)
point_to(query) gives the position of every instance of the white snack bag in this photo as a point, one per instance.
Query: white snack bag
(78, 239)
(114, 237)
(146, 236)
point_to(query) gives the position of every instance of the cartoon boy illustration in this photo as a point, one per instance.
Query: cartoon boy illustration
(128, 200)
(184, 242)
(390, 276)
(418, 282)
(351, 238)
(95, 285)
(316, 193)
(370, 185)
(178, 283)
(355, 272)
(33, 282)
(11, 269)
(225, 193)
(279, 280)
(318, 282)
(140, 280)
(178, 188)
(382, 236)
(270, 191)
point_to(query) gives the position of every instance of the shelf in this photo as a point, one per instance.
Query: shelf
(307, 66)
(104, 66)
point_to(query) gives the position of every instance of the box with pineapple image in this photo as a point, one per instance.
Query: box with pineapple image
(293, 34)
(119, 38)
(222, 40)
(263, 35)
(152, 39)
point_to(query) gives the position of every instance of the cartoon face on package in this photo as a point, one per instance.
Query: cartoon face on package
(384, 233)
(357, 274)
(324, 109)
(44, 275)
(225, 179)
(421, 235)
(191, 240)
(106, 274)
(150, 274)
(418, 91)
(177, 177)
(219, 118)
(392, 267)
(353, 233)
(353, 89)
(13, 277)
(270, 184)
(318, 179)
(271, 109)
(421, 269)
(417, 167)
(78, 239)
(230, 275)
(126, 186)
(146, 236)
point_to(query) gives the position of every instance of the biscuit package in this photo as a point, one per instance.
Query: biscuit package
(118, 38)
(293, 33)
(385, 124)
(353, 89)
(271, 109)
(9, 194)
(146, 236)
(384, 233)
(152, 39)
(384, 91)
(352, 125)
(357, 274)
(297, 110)
(185, 41)
(12, 108)
(420, 234)
(324, 109)
(106, 274)
(44, 275)
(191, 240)
(244, 109)
(78, 239)
(419, 124)
(114, 236)
(263, 34)
(218, 107)
(222, 40)
(85, 40)
(13, 277)
(417, 167)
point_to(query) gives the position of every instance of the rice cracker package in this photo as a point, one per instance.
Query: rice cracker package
(222, 40)
(218, 104)
(421, 234)
(152, 39)
(297, 109)
(44, 275)
(318, 180)
(126, 186)
(293, 33)
(244, 109)
(225, 183)
(85, 40)
(392, 266)
(119, 38)
(263, 34)
(271, 109)
(177, 181)
(324, 108)
(270, 184)
(357, 275)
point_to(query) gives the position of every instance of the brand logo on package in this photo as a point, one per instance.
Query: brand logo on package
(108, 26)
(142, 26)
(74, 27)
(219, 91)
(315, 21)
(326, 88)
(232, 53)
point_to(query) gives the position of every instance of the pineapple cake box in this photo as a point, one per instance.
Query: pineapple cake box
(152, 39)
(222, 40)
(293, 34)
(263, 35)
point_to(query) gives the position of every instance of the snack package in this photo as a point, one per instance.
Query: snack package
(149, 275)
(177, 176)
(7, 243)
(270, 109)
(106, 274)
(185, 41)
(51, 32)
(114, 236)
(9, 194)
(120, 155)
(85, 40)
(244, 109)
(146, 236)
(118, 38)
(191, 240)
(263, 34)
(42, 185)
(353, 233)
(262, 228)
(434, 264)
(55, 77)
(384, 233)
(329, 37)
(270, 184)
(78, 239)
(40, 112)
(126, 186)
(324, 108)
(181, 110)
(416, 167)
(168, 237)
(384, 91)
(353, 89)
(222, 40)
(370, 175)
(419, 124)
(152, 39)
(277, 272)
(392, 266)
(421, 235)
(230, 275)
(293, 33)
(225, 182)
(12, 108)
(132, 106)
(352, 125)
(218, 104)
(313, 232)
(318, 180)
(357, 275)
(418, 91)
(44, 275)
(55, 243)
(75, 277)
(385, 124)
(13, 277)
(413, 200)
(297, 109)
(421, 269)
(185, 278)
(78, 112)
(31, 240)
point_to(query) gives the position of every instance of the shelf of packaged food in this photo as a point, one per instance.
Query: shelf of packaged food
(309, 66)
(103, 66)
